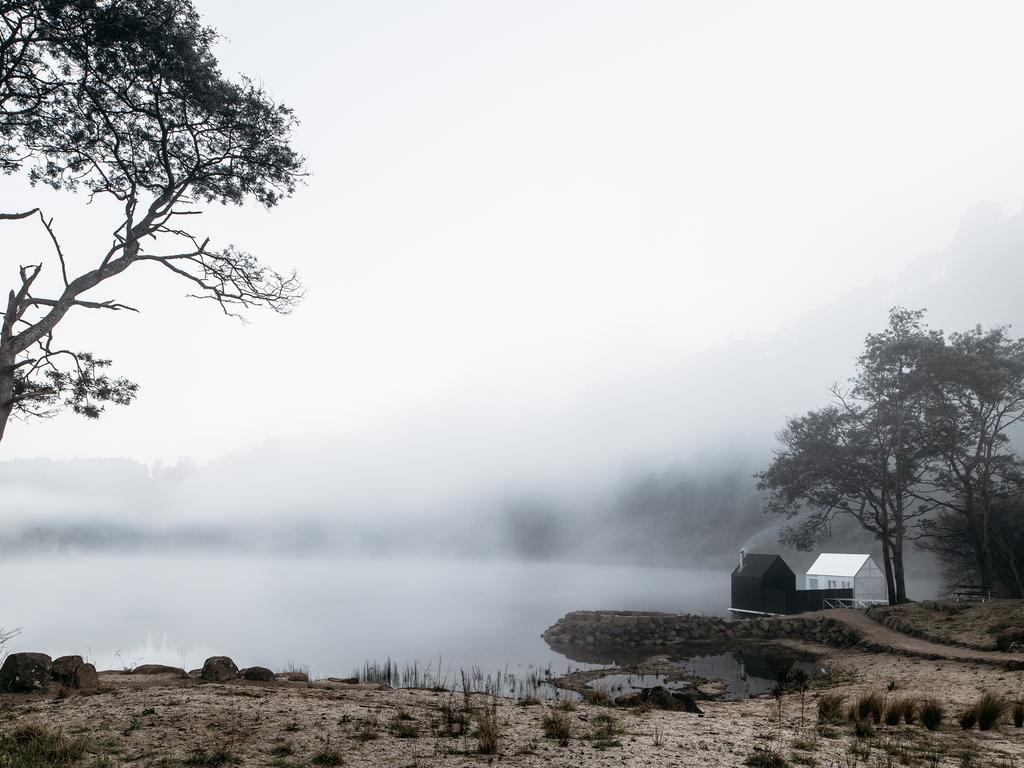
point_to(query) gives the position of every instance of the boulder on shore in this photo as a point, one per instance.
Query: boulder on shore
(661, 698)
(158, 669)
(294, 677)
(219, 669)
(63, 669)
(74, 672)
(25, 672)
(260, 674)
(86, 678)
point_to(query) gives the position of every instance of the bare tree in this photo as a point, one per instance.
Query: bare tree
(125, 101)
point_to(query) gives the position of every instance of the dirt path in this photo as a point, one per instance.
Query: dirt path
(879, 634)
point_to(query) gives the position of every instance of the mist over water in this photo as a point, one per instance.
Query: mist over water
(330, 615)
(566, 282)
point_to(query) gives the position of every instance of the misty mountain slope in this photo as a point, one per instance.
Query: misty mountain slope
(650, 463)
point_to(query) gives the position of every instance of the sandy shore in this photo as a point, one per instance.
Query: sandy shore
(165, 721)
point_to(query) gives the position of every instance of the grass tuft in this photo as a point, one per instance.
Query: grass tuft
(605, 731)
(869, 706)
(830, 708)
(557, 725)
(989, 710)
(327, 756)
(967, 718)
(766, 758)
(37, 746)
(931, 712)
(487, 728)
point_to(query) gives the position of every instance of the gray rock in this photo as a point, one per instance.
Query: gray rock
(219, 669)
(25, 672)
(261, 674)
(63, 669)
(159, 669)
(86, 678)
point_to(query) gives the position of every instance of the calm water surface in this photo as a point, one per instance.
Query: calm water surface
(331, 615)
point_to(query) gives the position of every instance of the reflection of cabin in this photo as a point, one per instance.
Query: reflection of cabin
(765, 584)
(856, 572)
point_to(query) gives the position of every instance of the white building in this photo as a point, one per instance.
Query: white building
(856, 572)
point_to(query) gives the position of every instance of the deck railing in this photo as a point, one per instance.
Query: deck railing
(848, 602)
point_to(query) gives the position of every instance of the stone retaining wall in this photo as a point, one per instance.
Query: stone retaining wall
(636, 629)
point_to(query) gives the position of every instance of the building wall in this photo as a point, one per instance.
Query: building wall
(869, 583)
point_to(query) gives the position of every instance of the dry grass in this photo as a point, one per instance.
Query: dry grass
(36, 746)
(931, 712)
(558, 725)
(487, 728)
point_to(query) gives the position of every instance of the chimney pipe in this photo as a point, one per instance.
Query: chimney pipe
(743, 554)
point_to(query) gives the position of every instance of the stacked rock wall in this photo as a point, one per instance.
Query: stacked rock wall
(634, 629)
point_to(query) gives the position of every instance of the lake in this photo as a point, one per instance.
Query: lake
(330, 615)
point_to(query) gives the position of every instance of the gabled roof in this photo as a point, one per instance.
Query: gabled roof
(756, 566)
(834, 564)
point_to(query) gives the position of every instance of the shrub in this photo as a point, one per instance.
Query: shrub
(830, 708)
(557, 725)
(931, 712)
(967, 718)
(989, 709)
(1018, 713)
(870, 705)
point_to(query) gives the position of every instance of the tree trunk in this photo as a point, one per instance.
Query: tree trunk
(897, 552)
(6, 381)
(887, 566)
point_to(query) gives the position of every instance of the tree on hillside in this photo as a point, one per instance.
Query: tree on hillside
(950, 537)
(864, 456)
(124, 101)
(976, 396)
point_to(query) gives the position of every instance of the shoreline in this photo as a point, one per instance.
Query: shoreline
(170, 721)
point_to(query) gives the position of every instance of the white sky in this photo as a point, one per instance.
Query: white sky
(534, 202)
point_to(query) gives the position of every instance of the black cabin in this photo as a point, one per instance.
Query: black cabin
(762, 584)
(765, 584)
